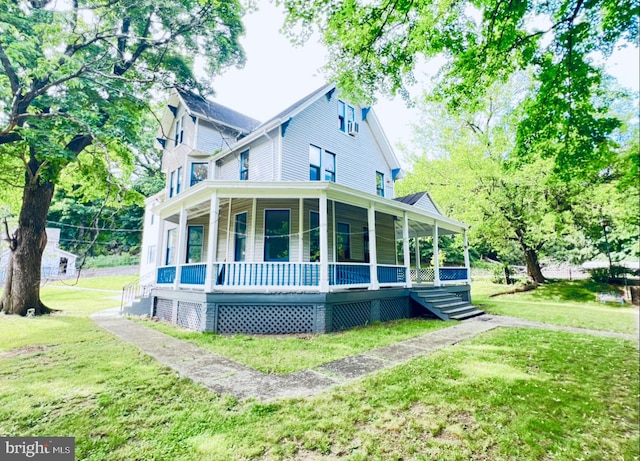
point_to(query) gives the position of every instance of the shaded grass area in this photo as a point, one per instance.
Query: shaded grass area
(568, 303)
(507, 394)
(290, 353)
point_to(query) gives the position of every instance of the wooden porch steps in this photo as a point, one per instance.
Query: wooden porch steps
(444, 305)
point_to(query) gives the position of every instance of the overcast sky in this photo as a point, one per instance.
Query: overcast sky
(277, 74)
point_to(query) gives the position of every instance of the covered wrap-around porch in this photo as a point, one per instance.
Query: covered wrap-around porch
(254, 237)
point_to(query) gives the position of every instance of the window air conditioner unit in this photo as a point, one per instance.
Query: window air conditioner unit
(353, 128)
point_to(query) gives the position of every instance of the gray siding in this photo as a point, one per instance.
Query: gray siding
(357, 157)
(262, 161)
(425, 203)
(212, 139)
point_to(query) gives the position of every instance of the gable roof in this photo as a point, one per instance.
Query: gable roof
(217, 112)
(420, 200)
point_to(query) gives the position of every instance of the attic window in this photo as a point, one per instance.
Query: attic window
(179, 135)
(347, 118)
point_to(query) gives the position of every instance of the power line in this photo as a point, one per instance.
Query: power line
(94, 228)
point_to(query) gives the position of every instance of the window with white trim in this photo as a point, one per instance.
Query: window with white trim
(244, 165)
(195, 243)
(276, 235)
(314, 236)
(199, 172)
(179, 135)
(178, 180)
(170, 255)
(240, 236)
(343, 237)
(380, 184)
(322, 164)
(172, 184)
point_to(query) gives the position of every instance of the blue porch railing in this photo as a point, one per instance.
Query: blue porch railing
(392, 274)
(193, 274)
(166, 275)
(268, 274)
(349, 274)
(453, 274)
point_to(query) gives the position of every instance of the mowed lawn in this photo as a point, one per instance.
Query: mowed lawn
(509, 394)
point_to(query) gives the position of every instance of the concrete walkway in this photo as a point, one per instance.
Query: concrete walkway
(225, 376)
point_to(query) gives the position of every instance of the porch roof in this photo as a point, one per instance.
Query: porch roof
(197, 198)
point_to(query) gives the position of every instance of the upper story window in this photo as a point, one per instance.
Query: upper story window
(244, 166)
(179, 136)
(380, 184)
(199, 172)
(347, 118)
(322, 165)
(172, 184)
(178, 180)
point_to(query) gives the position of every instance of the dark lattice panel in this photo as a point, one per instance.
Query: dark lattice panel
(190, 315)
(265, 319)
(392, 309)
(350, 315)
(163, 309)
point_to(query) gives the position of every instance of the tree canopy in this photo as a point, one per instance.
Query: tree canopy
(76, 84)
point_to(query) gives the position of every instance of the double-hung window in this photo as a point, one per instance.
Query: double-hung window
(195, 243)
(276, 235)
(170, 257)
(380, 184)
(344, 241)
(199, 172)
(322, 165)
(314, 236)
(172, 184)
(178, 180)
(241, 236)
(244, 166)
(179, 135)
(346, 115)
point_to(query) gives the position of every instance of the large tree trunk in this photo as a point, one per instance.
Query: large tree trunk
(22, 283)
(533, 265)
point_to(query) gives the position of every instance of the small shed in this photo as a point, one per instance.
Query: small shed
(56, 263)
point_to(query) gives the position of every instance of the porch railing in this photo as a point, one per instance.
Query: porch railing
(166, 275)
(193, 274)
(268, 274)
(349, 274)
(392, 274)
(447, 274)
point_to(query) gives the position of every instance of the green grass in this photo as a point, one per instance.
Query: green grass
(507, 394)
(289, 353)
(561, 303)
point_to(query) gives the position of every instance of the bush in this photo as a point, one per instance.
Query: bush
(124, 259)
(614, 274)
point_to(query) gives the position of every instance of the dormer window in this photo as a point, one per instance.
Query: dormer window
(179, 136)
(347, 118)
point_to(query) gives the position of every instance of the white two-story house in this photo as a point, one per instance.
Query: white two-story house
(290, 225)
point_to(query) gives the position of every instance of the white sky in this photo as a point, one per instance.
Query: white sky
(277, 74)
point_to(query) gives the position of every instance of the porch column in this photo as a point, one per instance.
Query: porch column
(181, 250)
(405, 249)
(417, 245)
(467, 265)
(160, 248)
(212, 244)
(324, 243)
(251, 254)
(436, 262)
(300, 232)
(373, 250)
